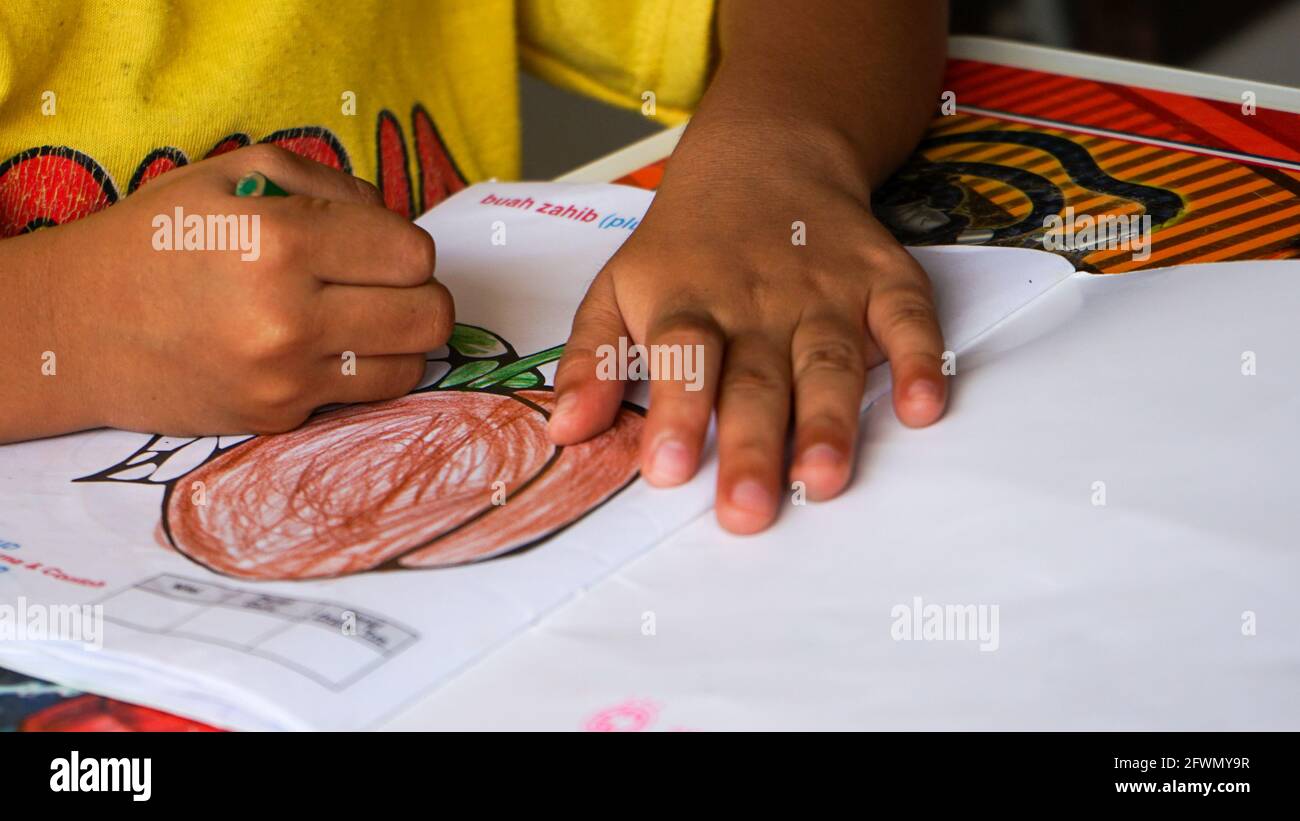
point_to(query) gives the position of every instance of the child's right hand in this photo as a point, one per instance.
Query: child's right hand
(202, 341)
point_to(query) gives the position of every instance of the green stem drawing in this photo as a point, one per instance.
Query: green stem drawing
(515, 368)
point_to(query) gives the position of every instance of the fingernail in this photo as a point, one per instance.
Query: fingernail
(821, 455)
(671, 463)
(749, 494)
(924, 390)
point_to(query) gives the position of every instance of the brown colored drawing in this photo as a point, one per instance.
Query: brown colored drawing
(459, 471)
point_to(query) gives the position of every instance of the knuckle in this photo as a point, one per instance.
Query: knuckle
(269, 421)
(828, 423)
(273, 335)
(282, 241)
(828, 280)
(594, 317)
(757, 296)
(829, 354)
(443, 321)
(750, 378)
(419, 256)
(686, 325)
(265, 157)
(577, 364)
(747, 448)
(911, 314)
(922, 286)
(909, 308)
(879, 256)
(367, 191)
(408, 374)
(309, 206)
(277, 394)
(394, 379)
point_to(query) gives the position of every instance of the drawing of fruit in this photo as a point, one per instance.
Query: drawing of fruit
(461, 470)
(95, 714)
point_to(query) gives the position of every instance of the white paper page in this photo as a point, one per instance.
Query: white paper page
(207, 639)
(275, 653)
(1171, 606)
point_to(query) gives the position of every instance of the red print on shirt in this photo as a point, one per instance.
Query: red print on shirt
(54, 184)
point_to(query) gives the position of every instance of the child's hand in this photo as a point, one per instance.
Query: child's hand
(804, 113)
(717, 262)
(204, 341)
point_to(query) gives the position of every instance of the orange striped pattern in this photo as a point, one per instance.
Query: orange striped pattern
(1232, 210)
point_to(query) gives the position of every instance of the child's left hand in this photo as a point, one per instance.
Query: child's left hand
(719, 262)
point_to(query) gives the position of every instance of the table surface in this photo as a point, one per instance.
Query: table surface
(1212, 169)
(648, 152)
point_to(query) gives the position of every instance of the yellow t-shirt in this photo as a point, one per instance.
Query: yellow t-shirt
(97, 97)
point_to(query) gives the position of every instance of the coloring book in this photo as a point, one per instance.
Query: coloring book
(326, 576)
(330, 576)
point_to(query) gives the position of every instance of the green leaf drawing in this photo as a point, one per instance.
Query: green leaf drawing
(466, 373)
(527, 379)
(519, 366)
(476, 343)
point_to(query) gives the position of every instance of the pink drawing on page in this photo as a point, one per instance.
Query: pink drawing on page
(631, 716)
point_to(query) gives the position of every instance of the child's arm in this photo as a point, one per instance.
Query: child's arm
(102, 328)
(812, 105)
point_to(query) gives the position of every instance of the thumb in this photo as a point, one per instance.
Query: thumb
(587, 398)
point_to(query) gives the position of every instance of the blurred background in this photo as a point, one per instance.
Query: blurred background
(1248, 39)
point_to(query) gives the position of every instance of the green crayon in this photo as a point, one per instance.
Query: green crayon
(255, 184)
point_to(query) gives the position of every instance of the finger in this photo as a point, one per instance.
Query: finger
(370, 378)
(902, 321)
(686, 352)
(298, 175)
(753, 411)
(828, 360)
(587, 394)
(376, 320)
(349, 244)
